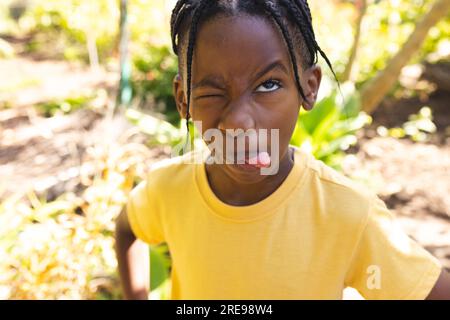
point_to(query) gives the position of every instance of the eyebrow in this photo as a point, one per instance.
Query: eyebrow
(274, 65)
(215, 82)
(209, 81)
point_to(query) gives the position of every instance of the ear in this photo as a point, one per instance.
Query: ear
(312, 78)
(180, 96)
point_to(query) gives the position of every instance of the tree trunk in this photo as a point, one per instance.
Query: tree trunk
(91, 44)
(125, 93)
(376, 89)
(361, 7)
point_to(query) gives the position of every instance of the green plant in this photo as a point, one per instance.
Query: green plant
(64, 106)
(64, 249)
(155, 70)
(160, 265)
(48, 251)
(387, 25)
(66, 27)
(329, 128)
(159, 131)
(418, 127)
(94, 100)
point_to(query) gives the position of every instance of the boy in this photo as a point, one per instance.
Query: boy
(301, 231)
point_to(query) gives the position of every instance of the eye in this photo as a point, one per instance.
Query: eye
(269, 86)
(208, 96)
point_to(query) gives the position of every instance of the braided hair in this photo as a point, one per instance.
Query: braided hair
(293, 18)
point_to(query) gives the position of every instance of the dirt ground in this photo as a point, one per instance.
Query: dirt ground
(46, 153)
(412, 178)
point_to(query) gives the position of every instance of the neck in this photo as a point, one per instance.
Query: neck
(234, 193)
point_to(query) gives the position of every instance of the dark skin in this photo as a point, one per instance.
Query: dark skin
(231, 91)
(441, 290)
(234, 52)
(242, 78)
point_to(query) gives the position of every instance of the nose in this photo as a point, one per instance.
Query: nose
(237, 115)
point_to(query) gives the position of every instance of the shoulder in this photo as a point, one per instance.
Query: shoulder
(332, 180)
(336, 193)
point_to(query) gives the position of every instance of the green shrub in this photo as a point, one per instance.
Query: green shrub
(329, 128)
(152, 81)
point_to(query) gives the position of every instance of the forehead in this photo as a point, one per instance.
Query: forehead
(237, 46)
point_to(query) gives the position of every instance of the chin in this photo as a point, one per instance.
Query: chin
(244, 174)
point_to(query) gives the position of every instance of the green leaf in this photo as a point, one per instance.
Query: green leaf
(318, 113)
(159, 265)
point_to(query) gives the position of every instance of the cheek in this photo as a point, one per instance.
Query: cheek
(205, 119)
(283, 116)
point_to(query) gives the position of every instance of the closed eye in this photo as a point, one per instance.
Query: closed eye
(269, 86)
(209, 96)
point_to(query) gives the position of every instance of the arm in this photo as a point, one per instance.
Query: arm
(133, 259)
(441, 290)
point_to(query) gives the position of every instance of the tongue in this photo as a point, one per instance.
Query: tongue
(261, 160)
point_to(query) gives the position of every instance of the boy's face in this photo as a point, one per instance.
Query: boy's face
(242, 78)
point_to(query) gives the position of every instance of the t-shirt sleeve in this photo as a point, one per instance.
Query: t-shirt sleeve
(143, 214)
(387, 264)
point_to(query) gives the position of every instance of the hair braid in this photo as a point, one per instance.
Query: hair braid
(190, 52)
(299, 19)
(304, 6)
(175, 15)
(272, 9)
(294, 20)
(175, 25)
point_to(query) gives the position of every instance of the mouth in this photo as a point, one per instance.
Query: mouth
(251, 160)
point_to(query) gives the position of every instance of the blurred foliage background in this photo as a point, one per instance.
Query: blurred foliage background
(56, 234)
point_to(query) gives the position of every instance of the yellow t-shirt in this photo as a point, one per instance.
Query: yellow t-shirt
(315, 235)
